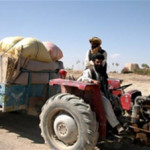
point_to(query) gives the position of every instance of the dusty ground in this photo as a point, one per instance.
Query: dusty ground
(21, 132)
(139, 82)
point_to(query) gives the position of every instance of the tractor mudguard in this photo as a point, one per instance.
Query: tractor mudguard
(90, 93)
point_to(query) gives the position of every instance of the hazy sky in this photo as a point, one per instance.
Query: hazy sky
(123, 26)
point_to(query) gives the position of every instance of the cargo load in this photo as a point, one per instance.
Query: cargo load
(30, 54)
(28, 48)
(36, 78)
(34, 65)
(10, 70)
(7, 67)
(7, 43)
(54, 51)
(42, 77)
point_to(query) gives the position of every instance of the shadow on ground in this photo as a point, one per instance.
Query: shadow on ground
(28, 127)
(122, 146)
(22, 124)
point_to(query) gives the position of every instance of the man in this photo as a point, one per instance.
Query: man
(95, 48)
(98, 75)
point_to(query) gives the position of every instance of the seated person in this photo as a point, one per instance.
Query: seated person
(98, 75)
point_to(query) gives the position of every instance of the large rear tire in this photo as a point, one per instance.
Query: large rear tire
(68, 123)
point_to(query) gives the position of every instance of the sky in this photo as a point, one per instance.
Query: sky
(123, 26)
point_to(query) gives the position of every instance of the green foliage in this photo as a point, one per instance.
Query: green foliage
(125, 70)
(145, 66)
(117, 64)
(142, 71)
(137, 71)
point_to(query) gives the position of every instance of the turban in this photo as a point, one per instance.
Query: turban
(95, 40)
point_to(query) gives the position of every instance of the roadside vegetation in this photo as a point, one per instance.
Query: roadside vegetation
(79, 65)
(145, 70)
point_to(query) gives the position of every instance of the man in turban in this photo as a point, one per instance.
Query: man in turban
(98, 76)
(95, 48)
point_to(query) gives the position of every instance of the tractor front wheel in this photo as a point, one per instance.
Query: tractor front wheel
(68, 123)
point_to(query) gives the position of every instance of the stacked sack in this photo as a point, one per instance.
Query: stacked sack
(53, 50)
(30, 54)
(25, 47)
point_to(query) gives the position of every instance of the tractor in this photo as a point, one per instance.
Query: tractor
(74, 119)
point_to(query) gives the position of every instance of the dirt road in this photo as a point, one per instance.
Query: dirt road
(21, 132)
(139, 82)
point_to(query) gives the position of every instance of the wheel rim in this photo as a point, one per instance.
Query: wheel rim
(65, 129)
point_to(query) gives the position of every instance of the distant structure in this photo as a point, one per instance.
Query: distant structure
(131, 66)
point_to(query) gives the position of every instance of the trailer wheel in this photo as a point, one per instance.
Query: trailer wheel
(68, 123)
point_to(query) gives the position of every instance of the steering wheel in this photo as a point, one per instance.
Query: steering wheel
(122, 87)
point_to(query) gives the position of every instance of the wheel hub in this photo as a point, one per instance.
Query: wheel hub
(65, 129)
(62, 129)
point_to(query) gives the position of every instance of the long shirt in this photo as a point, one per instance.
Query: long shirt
(88, 62)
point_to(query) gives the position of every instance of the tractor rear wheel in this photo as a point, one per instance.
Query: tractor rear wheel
(68, 123)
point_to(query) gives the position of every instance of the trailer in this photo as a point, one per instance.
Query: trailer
(30, 97)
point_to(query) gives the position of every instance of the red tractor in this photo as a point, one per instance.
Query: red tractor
(75, 119)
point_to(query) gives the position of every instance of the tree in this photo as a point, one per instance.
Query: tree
(145, 66)
(117, 64)
(78, 63)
